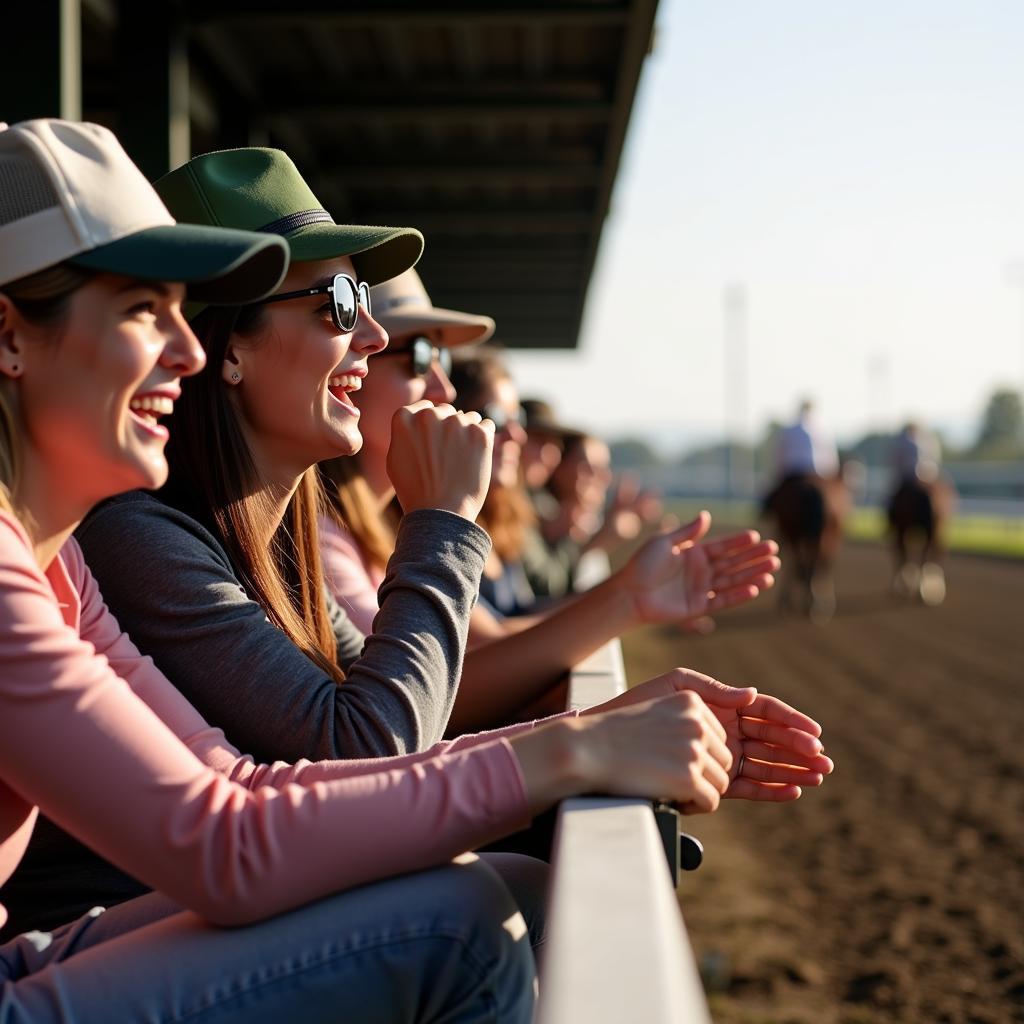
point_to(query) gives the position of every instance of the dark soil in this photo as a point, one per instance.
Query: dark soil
(896, 891)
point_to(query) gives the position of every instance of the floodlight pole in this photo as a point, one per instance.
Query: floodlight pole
(735, 390)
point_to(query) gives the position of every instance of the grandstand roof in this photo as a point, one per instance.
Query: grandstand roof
(495, 127)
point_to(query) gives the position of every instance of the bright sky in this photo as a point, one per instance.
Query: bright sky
(859, 168)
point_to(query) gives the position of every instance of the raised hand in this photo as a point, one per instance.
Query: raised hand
(677, 576)
(440, 458)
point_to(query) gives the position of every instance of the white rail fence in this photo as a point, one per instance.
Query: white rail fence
(617, 947)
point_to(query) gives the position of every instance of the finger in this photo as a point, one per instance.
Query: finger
(780, 736)
(746, 574)
(784, 774)
(703, 800)
(758, 553)
(419, 406)
(747, 789)
(737, 557)
(772, 709)
(713, 690)
(692, 531)
(716, 740)
(723, 599)
(716, 774)
(722, 546)
(767, 566)
(763, 752)
(471, 417)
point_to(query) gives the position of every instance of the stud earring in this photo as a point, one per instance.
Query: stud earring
(235, 377)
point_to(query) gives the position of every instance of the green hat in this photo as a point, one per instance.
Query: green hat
(262, 190)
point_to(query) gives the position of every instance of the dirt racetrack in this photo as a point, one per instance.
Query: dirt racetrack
(895, 892)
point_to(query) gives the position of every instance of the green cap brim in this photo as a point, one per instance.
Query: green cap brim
(218, 265)
(378, 253)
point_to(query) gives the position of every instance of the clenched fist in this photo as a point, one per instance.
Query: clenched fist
(440, 458)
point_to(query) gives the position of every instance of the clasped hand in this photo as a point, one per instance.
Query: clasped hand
(776, 750)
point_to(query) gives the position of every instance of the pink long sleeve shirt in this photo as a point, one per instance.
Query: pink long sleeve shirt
(95, 735)
(352, 580)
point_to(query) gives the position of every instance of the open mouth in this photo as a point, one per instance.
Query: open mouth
(341, 385)
(147, 410)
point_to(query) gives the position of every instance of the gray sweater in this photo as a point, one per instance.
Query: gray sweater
(173, 589)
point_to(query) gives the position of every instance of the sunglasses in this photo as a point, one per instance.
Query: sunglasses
(424, 352)
(501, 419)
(347, 295)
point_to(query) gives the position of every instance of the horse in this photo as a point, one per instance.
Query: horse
(809, 511)
(918, 510)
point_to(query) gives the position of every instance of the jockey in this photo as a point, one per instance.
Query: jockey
(805, 448)
(915, 456)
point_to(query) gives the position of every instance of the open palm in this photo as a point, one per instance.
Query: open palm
(678, 576)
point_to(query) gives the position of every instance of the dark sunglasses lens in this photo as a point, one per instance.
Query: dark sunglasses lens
(500, 418)
(444, 360)
(346, 308)
(422, 356)
(496, 415)
(364, 297)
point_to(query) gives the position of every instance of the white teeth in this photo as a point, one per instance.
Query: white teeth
(348, 381)
(158, 404)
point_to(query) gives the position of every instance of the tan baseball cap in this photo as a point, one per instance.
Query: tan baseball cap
(70, 193)
(402, 306)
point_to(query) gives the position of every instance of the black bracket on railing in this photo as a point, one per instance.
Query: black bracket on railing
(682, 851)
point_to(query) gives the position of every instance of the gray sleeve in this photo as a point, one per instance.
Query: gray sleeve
(173, 590)
(347, 635)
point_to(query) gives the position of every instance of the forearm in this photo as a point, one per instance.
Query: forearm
(500, 677)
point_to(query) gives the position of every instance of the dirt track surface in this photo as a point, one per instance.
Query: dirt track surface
(896, 891)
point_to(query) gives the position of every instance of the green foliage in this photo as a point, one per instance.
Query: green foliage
(633, 453)
(1001, 434)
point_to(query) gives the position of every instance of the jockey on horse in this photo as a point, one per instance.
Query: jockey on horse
(808, 502)
(920, 502)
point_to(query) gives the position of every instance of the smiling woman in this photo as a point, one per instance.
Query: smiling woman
(240, 619)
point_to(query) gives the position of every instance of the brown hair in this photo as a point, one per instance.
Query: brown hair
(42, 299)
(507, 513)
(214, 477)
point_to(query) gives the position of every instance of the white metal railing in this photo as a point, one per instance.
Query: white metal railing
(617, 948)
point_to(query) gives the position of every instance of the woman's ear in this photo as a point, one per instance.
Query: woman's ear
(11, 361)
(231, 367)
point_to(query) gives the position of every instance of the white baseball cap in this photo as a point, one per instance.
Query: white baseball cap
(70, 193)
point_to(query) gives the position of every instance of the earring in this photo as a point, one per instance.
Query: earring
(235, 377)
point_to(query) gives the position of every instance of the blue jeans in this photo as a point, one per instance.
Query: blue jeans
(447, 945)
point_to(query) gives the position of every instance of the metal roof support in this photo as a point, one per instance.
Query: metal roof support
(41, 72)
(153, 85)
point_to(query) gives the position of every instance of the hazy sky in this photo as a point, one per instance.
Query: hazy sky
(858, 166)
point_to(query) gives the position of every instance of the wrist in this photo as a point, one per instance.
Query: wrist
(626, 599)
(556, 762)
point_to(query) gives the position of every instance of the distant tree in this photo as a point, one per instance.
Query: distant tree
(633, 453)
(764, 453)
(873, 449)
(1001, 434)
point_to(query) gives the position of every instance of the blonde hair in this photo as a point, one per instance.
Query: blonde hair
(42, 299)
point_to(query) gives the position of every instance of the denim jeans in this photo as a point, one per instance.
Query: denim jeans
(447, 945)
